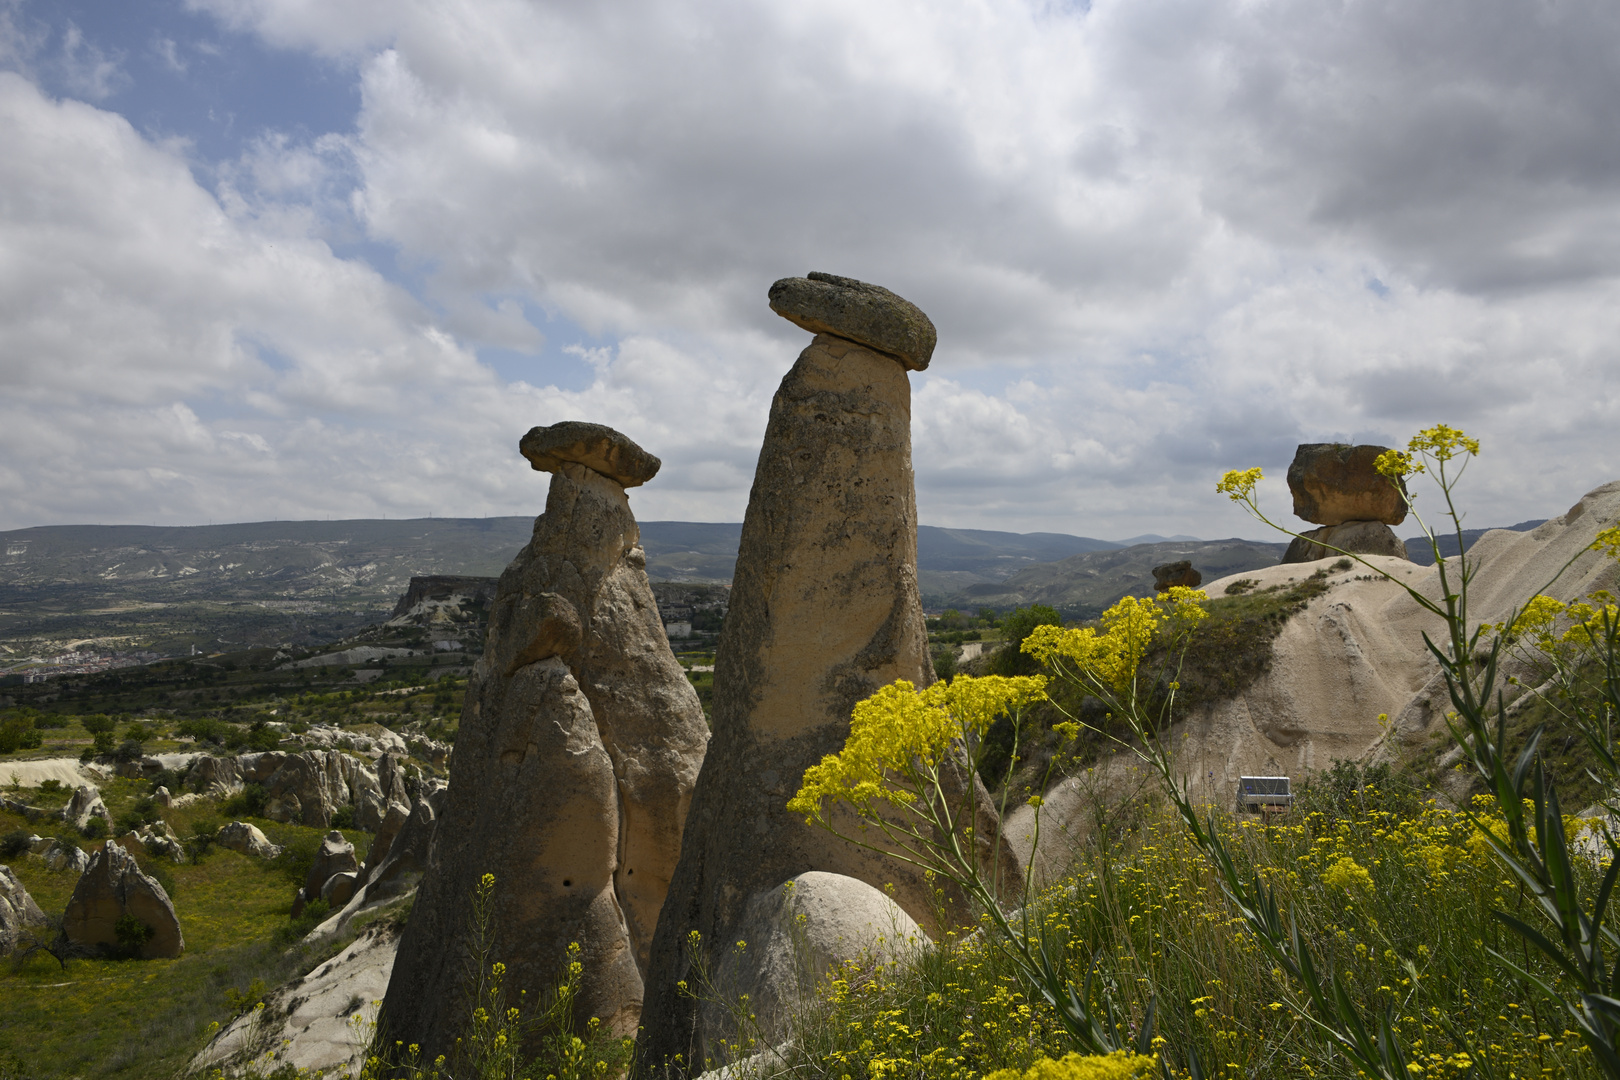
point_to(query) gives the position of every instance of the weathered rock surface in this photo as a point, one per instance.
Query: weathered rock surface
(595, 446)
(310, 1022)
(580, 741)
(824, 611)
(1170, 575)
(1356, 537)
(338, 889)
(65, 856)
(796, 932)
(306, 787)
(159, 840)
(85, 804)
(1333, 483)
(335, 856)
(246, 837)
(112, 887)
(866, 314)
(18, 913)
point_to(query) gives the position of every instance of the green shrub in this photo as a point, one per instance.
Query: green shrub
(261, 737)
(249, 802)
(105, 743)
(95, 829)
(1010, 660)
(128, 750)
(131, 934)
(14, 843)
(204, 728)
(343, 817)
(17, 732)
(48, 721)
(96, 723)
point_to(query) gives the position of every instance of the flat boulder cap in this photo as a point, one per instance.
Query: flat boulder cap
(595, 446)
(867, 314)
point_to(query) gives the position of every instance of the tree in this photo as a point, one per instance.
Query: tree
(1010, 660)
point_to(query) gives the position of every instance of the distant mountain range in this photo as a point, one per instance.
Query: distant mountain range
(292, 579)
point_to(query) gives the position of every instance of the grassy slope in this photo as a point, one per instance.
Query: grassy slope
(126, 1018)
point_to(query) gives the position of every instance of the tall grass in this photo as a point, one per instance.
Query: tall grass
(1399, 903)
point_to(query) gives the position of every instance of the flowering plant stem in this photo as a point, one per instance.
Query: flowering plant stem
(908, 772)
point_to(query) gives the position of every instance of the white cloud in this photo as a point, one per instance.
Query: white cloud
(1159, 238)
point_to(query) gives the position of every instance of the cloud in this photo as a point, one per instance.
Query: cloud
(1159, 239)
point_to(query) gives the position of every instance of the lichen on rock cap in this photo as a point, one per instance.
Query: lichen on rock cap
(867, 314)
(595, 446)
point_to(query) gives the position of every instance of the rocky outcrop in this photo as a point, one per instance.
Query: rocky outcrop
(112, 887)
(245, 837)
(215, 776)
(19, 915)
(1338, 486)
(795, 933)
(85, 804)
(1357, 537)
(446, 599)
(308, 1025)
(1170, 575)
(160, 840)
(61, 855)
(866, 314)
(308, 787)
(580, 741)
(824, 611)
(335, 856)
(1333, 483)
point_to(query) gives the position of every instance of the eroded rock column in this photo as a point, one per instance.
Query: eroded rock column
(580, 742)
(824, 611)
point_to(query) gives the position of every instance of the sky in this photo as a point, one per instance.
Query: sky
(332, 258)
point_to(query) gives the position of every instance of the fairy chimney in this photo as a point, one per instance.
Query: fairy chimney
(580, 742)
(824, 611)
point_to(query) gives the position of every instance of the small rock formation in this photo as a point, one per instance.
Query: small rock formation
(308, 1023)
(85, 804)
(18, 912)
(1169, 575)
(336, 856)
(61, 855)
(245, 837)
(112, 887)
(1338, 486)
(580, 742)
(159, 839)
(795, 934)
(824, 610)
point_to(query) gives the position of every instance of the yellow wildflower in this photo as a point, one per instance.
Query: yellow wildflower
(1238, 486)
(1119, 1065)
(900, 728)
(1347, 874)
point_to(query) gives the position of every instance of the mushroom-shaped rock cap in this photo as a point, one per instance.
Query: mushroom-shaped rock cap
(868, 314)
(595, 446)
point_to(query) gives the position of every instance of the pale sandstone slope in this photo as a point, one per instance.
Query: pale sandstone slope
(1352, 654)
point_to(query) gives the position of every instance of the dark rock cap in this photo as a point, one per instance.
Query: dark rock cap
(595, 446)
(867, 314)
(1334, 483)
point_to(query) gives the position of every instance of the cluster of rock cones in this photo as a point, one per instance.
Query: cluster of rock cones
(585, 778)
